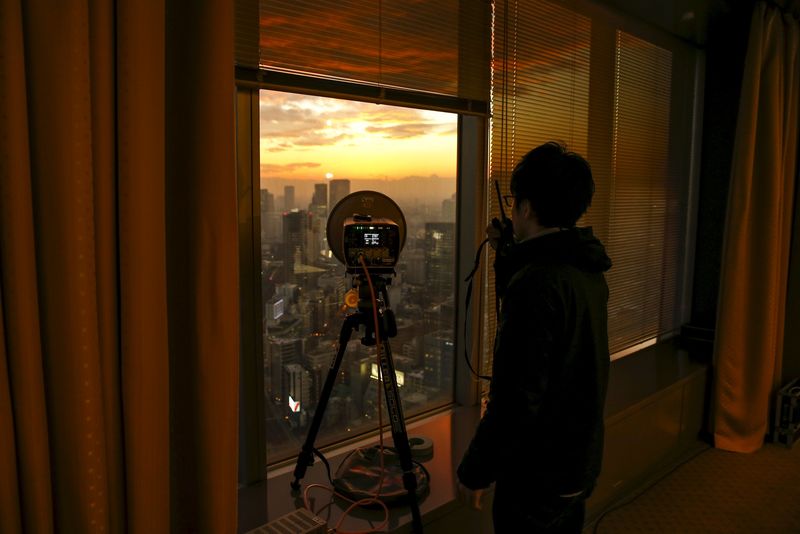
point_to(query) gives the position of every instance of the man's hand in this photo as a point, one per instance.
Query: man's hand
(493, 233)
(471, 498)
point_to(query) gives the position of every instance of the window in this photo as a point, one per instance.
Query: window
(315, 151)
(309, 62)
(622, 97)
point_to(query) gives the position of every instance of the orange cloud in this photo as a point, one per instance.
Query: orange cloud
(288, 167)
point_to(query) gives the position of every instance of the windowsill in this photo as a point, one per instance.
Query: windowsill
(632, 380)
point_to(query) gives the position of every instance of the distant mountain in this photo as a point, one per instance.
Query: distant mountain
(407, 191)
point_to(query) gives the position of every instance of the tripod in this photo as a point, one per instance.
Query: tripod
(387, 328)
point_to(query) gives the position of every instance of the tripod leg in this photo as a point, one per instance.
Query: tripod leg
(399, 435)
(306, 456)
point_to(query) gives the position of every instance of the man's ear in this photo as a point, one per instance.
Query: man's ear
(525, 208)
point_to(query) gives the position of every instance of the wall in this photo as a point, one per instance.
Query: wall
(727, 44)
(687, 19)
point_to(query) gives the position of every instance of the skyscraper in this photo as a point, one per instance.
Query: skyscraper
(297, 381)
(295, 234)
(440, 246)
(268, 223)
(339, 189)
(449, 208)
(437, 358)
(320, 197)
(319, 218)
(267, 201)
(288, 197)
(280, 353)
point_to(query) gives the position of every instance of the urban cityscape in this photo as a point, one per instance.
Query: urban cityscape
(303, 290)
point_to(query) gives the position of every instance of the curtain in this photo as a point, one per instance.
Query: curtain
(755, 261)
(118, 275)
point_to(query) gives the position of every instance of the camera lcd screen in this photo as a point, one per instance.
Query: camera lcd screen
(377, 242)
(372, 239)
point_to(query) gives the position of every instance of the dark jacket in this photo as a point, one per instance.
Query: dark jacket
(543, 424)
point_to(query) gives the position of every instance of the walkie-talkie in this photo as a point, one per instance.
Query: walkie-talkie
(503, 224)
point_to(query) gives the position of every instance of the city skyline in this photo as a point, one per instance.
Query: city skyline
(407, 192)
(303, 292)
(315, 151)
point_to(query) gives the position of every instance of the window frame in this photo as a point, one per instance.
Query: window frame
(471, 171)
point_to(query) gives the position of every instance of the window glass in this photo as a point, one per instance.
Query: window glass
(646, 216)
(617, 98)
(313, 152)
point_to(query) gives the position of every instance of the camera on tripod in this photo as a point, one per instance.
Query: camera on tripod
(368, 225)
(366, 231)
(377, 240)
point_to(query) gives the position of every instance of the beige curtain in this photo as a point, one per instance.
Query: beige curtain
(755, 259)
(118, 277)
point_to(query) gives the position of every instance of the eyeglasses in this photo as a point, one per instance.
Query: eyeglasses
(508, 200)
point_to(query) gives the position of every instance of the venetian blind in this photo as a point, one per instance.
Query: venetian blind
(439, 47)
(566, 76)
(646, 219)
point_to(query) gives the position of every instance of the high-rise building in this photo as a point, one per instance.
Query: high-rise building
(267, 201)
(295, 238)
(320, 197)
(413, 266)
(440, 246)
(358, 375)
(318, 209)
(449, 208)
(271, 227)
(318, 362)
(438, 352)
(268, 218)
(280, 353)
(339, 188)
(288, 197)
(297, 383)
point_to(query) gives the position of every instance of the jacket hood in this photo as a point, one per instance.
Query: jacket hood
(575, 246)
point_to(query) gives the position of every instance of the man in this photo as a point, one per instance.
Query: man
(541, 437)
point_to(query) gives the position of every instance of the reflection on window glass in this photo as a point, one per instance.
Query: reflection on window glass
(314, 152)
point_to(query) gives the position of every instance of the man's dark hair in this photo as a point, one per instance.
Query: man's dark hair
(557, 183)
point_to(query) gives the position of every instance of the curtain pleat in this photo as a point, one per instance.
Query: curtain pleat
(748, 349)
(143, 301)
(25, 495)
(118, 276)
(104, 160)
(61, 177)
(203, 265)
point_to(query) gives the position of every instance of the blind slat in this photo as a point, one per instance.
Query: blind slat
(437, 47)
(550, 94)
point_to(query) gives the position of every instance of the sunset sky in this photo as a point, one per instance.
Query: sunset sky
(308, 137)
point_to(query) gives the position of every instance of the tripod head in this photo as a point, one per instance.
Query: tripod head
(365, 307)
